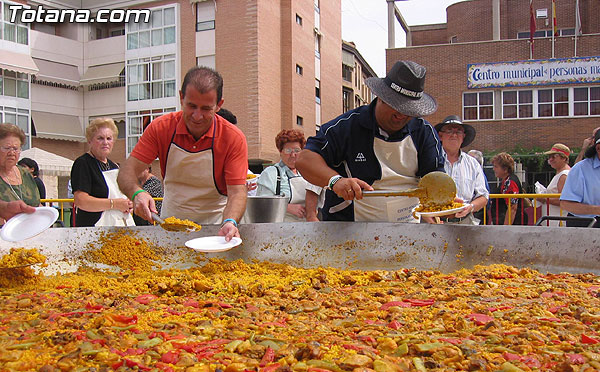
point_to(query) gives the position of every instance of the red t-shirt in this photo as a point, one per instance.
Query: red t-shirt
(230, 151)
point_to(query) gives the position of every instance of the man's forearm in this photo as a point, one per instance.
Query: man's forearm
(580, 208)
(127, 179)
(236, 202)
(313, 168)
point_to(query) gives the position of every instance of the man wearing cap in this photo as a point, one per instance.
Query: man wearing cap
(581, 194)
(385, 146)
(558, 159)
(464, 169)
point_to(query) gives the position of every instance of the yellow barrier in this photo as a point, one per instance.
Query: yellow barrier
(492, 196)
(521, 196)
(62, 202)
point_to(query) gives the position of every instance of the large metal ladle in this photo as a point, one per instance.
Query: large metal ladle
(435, 188)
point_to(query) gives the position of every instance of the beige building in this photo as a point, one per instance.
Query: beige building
(280, 60)
(355, 70)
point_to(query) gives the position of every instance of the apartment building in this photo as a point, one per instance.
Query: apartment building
(480, 66)
(280, 61)
(355, 70)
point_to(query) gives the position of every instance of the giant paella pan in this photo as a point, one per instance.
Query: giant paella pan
(308, 297)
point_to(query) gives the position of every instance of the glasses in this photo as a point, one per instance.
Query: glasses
(7, 149)
(454, 131)
(289, 151)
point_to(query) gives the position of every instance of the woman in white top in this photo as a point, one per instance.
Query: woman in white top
(558, 158)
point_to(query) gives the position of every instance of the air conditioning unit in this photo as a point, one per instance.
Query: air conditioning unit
(541, 13)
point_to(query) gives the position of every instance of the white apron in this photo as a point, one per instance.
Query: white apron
(190, 190)
(298, 190)
(114, 217)
(396, 159)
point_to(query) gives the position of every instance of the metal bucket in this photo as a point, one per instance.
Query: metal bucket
(260, 209)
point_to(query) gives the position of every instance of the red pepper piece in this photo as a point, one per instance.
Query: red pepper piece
(394, 324)
(588, 340)
(145, 299)
(270, 368)
(267, 358)
(480, 319)
(510, 356)
(394, 303)
(576, 358)
(170, 357)
(453, 341)
(122, 319)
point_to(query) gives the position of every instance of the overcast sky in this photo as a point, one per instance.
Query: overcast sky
(365, 23)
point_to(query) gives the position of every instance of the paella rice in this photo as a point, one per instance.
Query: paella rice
(238, 316)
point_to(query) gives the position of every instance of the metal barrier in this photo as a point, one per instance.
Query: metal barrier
(534, 197)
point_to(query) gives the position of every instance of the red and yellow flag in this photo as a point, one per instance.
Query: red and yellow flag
(554, 25)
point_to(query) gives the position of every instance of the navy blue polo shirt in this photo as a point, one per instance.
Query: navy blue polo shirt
(346, 144)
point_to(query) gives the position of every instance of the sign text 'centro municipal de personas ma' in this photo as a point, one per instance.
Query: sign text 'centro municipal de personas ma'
(535, 72)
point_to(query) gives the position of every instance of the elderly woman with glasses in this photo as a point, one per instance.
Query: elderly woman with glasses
(283, 178)
(17, 182)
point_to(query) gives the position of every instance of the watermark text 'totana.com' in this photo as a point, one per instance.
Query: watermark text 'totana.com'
(43, 15)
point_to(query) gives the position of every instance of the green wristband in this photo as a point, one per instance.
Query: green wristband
(135, 194)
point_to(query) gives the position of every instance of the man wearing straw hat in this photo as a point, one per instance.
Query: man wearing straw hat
(385, 145)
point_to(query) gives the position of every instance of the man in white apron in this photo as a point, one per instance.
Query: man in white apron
(203, 159)
(383, 146)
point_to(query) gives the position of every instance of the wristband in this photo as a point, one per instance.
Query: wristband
(234, 222)
(135, 194)
(332, 181)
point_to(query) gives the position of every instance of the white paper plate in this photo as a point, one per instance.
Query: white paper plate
(213, 244)
(442, 213)
(26, 225)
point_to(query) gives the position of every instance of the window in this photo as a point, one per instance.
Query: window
(347, 73)
(299, 70)
(205, 16)
(553, 102)
(151, 78)
(159, 31)
(546, 33)
(346, 100)
(299, 121)
(137, 121)
(298, 20)
(586, 101)
(19, 117)
(317, 45)
(16, 32)
(318, 91)
(14, 84)
(517, 104)
(478, 106)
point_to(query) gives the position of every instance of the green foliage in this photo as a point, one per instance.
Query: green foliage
(533, 159)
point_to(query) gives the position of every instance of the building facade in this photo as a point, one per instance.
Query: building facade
(280, 61)
(480, 65)
(355, 70)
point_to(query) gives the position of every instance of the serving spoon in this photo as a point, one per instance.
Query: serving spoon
(436, 188)
(173, 226)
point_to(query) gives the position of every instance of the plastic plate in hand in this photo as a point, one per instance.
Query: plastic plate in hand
(444, 212)
(26, 225)
(213, 244)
